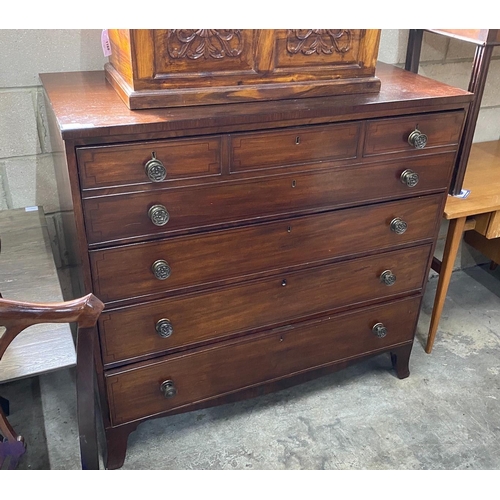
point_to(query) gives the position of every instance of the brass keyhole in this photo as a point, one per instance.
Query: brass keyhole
(289, 229)
(283, 283)
(294, 183)
(297, 140)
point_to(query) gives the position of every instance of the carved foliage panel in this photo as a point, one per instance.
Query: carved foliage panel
(314, 47)
(203, 50)
(216, 57)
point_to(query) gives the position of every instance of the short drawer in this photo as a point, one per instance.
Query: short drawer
(210, 258)
(158, 326)
(151, 162)
(390, 135)
(130, 216)
(263, 150)
(135, 392)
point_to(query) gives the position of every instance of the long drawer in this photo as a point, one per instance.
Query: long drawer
(240, 253)
(158, 326)
(130, 216)
(135, 391)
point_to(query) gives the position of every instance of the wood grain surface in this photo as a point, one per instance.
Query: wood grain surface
(251, 306)
(206, 373)
(240, 254)
(164, 68)
(482, 178)
(275, 261)
(212, 206)
(99, 111)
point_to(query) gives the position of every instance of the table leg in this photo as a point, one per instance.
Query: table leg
(453, 239)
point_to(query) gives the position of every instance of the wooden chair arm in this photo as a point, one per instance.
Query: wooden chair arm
(16, 315)
(85, 311)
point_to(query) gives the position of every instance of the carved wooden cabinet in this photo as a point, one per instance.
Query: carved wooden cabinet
(165, 68)
(243, 247)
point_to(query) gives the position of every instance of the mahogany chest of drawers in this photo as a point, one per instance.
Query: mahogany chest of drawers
(242, 247)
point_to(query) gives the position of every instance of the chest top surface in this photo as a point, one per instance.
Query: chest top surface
(87, 107)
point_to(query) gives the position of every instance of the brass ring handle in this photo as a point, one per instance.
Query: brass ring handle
(155, 170)
(388, 278)
(417, 139)
(164, 328)
(161, 269)
(409, 177)
(159, 215)
(379, 330)
(398, 225)
(168, 389)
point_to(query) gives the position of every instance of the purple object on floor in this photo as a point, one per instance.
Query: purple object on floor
(10, 453)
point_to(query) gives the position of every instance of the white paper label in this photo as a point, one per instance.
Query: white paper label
(463, 194)
(106, 45)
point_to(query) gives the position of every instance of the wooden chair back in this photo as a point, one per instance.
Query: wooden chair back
(16, 316)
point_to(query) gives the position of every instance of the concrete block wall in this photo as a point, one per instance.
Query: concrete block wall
(26, 156)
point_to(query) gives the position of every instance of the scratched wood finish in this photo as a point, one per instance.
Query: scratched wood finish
(26, 258)
(316, 217)
(165, 68)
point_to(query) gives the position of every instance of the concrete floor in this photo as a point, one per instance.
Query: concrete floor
(446, 415)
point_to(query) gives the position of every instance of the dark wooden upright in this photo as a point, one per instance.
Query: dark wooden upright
(485, 40)
(243, 247)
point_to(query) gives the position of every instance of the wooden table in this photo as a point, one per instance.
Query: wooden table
(478, 214)
(28, 273)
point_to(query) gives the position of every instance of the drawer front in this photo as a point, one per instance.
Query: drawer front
(488, 224)
(263, 150)
(204, 374)
(113, 218)
(132, 332)
(390, 135)
(231, 254)
(132, 163)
